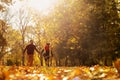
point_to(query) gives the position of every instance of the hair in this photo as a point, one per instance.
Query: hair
(31, 41)
(48, 43)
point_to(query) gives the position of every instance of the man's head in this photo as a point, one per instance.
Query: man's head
(31, 41)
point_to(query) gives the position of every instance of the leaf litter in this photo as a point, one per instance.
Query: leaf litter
(58, 73)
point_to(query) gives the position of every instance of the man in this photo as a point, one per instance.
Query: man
(30, 52)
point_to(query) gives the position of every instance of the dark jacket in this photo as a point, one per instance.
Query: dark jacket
(30, 49)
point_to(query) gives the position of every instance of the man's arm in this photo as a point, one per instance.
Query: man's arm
(37, 50)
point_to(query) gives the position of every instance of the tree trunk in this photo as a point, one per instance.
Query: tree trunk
(22, 49)
(41, 60)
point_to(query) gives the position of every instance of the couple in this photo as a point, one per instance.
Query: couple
(30, 52)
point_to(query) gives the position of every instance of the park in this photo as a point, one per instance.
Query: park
(71, 39)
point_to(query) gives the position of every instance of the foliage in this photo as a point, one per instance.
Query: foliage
(9, 62)
(58, 73)
(81, 32)
(3, 41)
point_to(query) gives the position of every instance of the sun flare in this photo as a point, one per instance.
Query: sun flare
(43, 6)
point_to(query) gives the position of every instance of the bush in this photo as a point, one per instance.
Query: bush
(9, 62)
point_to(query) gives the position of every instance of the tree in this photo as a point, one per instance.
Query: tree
(3, 42)
(93, 24)
(103, 22)
(3, 27)
(20, 15)
(23, 21)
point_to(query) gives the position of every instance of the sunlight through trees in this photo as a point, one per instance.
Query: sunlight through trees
(81, 32)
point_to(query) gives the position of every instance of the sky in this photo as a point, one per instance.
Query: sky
(43, 7)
